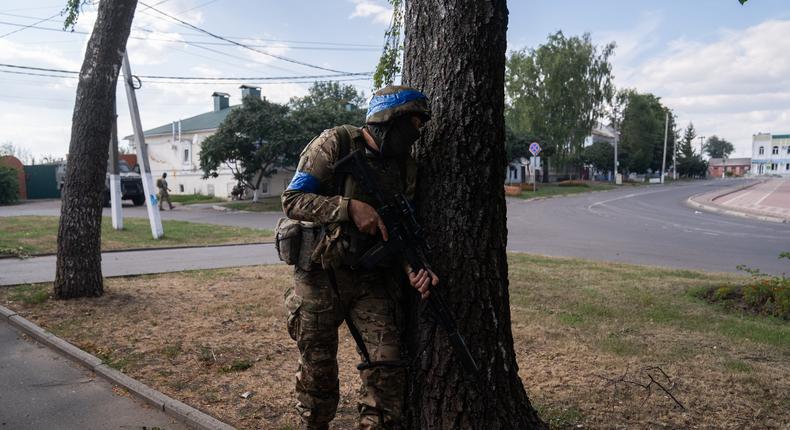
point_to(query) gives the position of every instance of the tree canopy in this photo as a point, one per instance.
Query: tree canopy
(642, 130)
(259, 137)
(600, 155)
(327, 105)
(717, 147)
(253, 141)
(690, 164)
(558, 91)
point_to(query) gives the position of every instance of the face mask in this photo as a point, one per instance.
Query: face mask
(399, 137)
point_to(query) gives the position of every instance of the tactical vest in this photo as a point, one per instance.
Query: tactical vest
(391, 176)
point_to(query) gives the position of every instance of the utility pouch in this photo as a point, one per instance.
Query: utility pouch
(311, 235)
(288, 240)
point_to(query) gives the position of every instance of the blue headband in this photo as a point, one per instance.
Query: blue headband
(388, 101)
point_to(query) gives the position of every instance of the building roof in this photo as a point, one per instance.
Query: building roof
(730, 162)
(205, 121)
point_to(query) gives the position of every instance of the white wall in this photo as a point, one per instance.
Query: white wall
(763, 163)
(183, 172)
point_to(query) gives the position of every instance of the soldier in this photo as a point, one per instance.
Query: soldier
(350, 226)
(164, 191)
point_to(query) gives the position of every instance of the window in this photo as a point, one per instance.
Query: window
(186, 155)
(775, 150)
(787, 166)
(788, 150)
(773, 166)
(181, 187)
(762, 150)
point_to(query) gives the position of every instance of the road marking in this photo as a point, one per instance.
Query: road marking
(778, 184)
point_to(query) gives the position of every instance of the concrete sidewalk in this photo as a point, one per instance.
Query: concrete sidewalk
(765, 200)
(42, 390)
(42, 269)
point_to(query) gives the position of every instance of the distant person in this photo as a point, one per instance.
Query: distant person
(164, 191)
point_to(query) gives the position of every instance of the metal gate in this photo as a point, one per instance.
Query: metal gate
(41, 183)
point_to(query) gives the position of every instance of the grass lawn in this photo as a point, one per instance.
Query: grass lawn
(188, 199)
(28, 235)
(554, 189)
(581, 330)
(266, 204)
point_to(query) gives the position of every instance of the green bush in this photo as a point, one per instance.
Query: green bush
(573, 183)
(9, 185)
(764, 294)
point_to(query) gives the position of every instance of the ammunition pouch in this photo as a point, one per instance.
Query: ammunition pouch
(295, 242)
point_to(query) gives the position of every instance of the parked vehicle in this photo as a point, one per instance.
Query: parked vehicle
(131, 183)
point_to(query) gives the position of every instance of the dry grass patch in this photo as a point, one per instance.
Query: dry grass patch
(582, 329)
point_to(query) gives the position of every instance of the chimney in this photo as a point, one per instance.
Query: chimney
(221, 101)
(250, 91)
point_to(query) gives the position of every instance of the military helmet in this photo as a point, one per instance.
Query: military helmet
(393, 101)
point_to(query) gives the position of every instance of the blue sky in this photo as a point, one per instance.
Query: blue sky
(719, 64)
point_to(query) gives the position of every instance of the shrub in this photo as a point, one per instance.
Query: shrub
(573, 183)
(765, 294)
(9, 185)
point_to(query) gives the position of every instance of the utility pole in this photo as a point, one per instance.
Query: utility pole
(664, 154)
(701, 145)
(142, 151)
(115, 178)
(675, 160)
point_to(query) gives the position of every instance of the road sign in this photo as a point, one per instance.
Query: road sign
(534, 148)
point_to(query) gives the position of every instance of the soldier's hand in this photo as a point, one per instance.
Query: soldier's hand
(422, 281)
(366, 218)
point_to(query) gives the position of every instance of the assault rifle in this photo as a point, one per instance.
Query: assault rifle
(407, 239)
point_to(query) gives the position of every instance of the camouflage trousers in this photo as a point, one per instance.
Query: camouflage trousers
(164, 196)
(314, 316)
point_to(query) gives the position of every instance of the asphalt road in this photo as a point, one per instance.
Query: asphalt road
(42, 390)
(644, 225)
(647, 225)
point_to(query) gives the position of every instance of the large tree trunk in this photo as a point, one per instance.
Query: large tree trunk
(79, 234)
(455, 52)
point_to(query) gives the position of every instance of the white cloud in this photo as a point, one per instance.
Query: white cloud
(375, 10)
(734, 86)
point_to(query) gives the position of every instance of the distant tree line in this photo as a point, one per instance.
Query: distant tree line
(558, 92)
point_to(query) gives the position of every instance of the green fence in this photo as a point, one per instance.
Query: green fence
(41, 183)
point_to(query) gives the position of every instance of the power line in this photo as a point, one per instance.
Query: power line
(279, 57)
(28, 26)
(320, 46)
(196, 78)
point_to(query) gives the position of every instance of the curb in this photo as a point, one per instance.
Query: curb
(713, 207)
(716, 209)
(184, 413)
(159, 248)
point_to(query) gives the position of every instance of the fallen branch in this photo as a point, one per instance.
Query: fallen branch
(648, 387)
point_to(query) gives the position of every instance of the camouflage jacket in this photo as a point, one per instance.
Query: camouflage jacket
(313, 194)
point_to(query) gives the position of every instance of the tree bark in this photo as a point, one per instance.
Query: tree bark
(455, 53)
(78, 272)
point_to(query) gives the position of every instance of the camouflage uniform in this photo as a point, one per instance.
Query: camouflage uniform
(164, 192)
(371, 296)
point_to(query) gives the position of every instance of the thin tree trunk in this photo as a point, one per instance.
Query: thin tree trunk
(78, 272)
(455, 52)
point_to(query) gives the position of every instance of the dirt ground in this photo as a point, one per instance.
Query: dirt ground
(583, 341)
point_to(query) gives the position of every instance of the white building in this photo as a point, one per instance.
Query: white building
(175, 148)
(771, 154)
